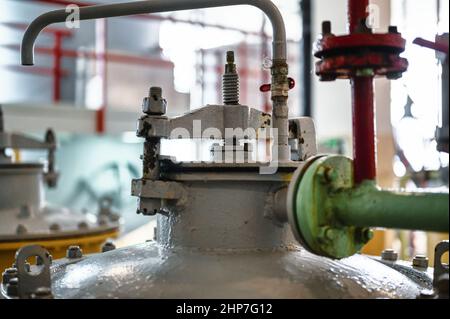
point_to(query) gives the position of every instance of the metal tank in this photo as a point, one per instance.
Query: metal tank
(26, 218)
(227, 228)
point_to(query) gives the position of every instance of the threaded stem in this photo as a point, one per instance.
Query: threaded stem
(230, 88)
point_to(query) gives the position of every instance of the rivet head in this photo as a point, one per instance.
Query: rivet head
(420, 261)
(74, 252)
(389, 255)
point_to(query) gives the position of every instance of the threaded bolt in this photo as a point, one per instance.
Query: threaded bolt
(389, 255)
(326, 27)
(74, 252)
(420, 261)
(230, 82)
(155, 92)
(392, 29)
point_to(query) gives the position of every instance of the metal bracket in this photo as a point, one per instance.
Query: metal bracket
(303, 132)
(440, 268)
(154, 196)
(38, 278)
(18, 141)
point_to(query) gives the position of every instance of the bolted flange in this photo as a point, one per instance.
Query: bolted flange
(311, 216)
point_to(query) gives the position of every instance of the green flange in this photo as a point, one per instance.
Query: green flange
(331, 217)
(315, 224)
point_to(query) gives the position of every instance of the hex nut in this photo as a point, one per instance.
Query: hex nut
(21, 229)
(389, 255)
(8, 274)
(154, 104)
(74, 252)
(108, 246)
(420, 261)
(12, 288)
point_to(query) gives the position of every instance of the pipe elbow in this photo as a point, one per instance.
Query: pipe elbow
(33, 31)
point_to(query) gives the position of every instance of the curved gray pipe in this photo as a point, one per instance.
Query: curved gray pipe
(280, 84)
(153, 6)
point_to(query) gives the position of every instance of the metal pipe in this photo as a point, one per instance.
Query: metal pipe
(364, 153)
(306, 63)
(357, 11)
(280, 83)
(154, 6)
(57, 74)
(153, 17)
(369, 206)
(363, 129)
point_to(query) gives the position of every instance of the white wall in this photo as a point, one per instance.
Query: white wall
(332, 103)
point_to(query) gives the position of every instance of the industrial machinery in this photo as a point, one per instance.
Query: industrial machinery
(25, 216)
(285, 226)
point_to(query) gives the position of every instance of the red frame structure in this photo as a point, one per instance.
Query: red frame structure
(103, 56)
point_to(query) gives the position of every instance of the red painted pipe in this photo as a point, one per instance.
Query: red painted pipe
(363, 129)
(57, 65)
(357, 11)
(364, 156)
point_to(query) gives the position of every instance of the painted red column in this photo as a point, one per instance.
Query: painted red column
(357, 10)
(57, 71)
(364, 153)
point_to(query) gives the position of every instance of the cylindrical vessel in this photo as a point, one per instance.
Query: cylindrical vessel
(221, 239)
(27, 219)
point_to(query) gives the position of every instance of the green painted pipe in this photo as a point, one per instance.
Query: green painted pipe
(368, 206)
(332, 217)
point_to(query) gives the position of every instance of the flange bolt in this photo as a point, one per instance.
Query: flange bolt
(74, 252)
(389, 255)
(420, 261)
(108, 246)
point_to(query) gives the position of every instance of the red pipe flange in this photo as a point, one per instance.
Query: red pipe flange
(365, 53)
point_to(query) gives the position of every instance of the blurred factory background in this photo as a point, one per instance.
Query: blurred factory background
(89, 83)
